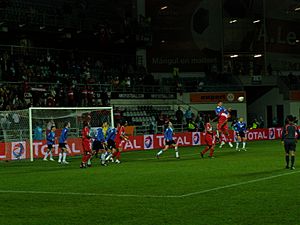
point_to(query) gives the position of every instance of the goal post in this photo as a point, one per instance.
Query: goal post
(42, 118)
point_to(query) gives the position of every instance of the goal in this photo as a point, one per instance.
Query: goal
(24, 132)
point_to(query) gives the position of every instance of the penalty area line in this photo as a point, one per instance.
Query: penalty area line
(150, 196)
(88, 194)
(236, 184)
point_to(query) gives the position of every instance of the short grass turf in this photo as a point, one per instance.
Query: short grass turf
(234, 188)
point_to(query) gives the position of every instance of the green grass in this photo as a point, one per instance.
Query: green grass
(231, 189)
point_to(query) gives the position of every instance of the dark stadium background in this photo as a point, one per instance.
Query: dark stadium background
(151, 62)
(99, 53)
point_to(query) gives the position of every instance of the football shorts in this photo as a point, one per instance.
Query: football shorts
(62, 145)
(172, 142)
(289, 146)
(241, 134)
(111, 144)
(97, 145)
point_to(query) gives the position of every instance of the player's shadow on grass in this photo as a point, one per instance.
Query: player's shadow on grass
(163, 158)
(173, 159)
(227, 152)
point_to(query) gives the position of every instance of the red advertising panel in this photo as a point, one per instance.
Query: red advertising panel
(20, 150)
(294, 95)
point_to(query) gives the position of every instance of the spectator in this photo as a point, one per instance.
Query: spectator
(188, 115)
(255, 124)
(50, 102)
(84, 96)
(104, 98)
(16, 119)
(38, 133)
(152, 128)
(49, 125)
(4, 122)
(199, 122)
(179, 115)
(160, 119)
(117, 114)
(71, 99)
(128, 82)
(16, 102)
(116, 82)
(90, 96)
(200, 86)
(166, 121)
(192, 126)
(261, 122)
(275, 122)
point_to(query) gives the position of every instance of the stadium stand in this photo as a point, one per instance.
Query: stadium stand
(144, 115)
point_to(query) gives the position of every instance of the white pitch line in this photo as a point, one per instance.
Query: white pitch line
(88, 194)
(150, 196)
(237, 184)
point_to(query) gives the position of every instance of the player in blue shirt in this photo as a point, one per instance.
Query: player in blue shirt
(62, 144)
(221, 113)
(111, 134)
(169, 141)
(98, 144)
(220, 108)
(240, 128)
(50, 143)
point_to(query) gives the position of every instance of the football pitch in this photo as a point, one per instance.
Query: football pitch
(235, 188)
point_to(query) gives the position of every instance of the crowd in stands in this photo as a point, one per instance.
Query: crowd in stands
(66, 66)
(65, 79)
(11, 98)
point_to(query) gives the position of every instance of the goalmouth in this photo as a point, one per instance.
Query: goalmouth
(58, 116)
(23, 132)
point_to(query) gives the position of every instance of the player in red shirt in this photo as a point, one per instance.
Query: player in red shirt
(86, 144)
(222, 127)
(209, 138)
(121, 139)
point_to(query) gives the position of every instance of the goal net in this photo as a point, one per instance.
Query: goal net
(23, 133)
(14, 133)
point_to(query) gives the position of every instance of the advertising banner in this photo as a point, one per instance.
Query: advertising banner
(196, 138)
(20, 150)
(120, 95)
(209, 97)
(264, 134)
(148, 141)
